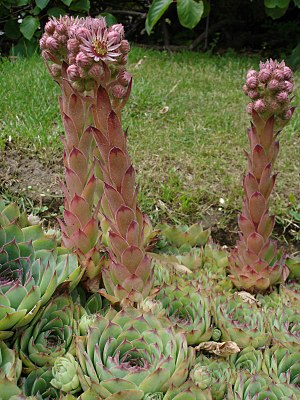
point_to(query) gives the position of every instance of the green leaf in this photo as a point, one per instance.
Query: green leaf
(67, 2)
(297, 3)
(189, 12)
(80, 5)
(56, 12)
(42, 3)
(277, 3)
(156, 10)
(109, 18)
(21, 3)
(28, 26)
(276, 12)
(12, 29)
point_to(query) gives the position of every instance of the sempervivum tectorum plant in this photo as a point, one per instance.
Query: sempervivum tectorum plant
(249, 359)
(188, 308)
(182, 235)
(282, 364)
(131, 355)
(128, 274)
(10, 371)
(31, 268)
(285, 326)
(50, 334)
(217, 372)
(65, 374)
(37, 386)
(256, 264)
(243, 323)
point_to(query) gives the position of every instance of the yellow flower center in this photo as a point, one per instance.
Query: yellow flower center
(100, 47)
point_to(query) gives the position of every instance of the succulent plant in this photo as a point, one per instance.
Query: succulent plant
(50, 334)
(249, 359)
(219, 373)
(37, 385)
(188, 308)
(128, 273)
(293, 264)
(285, 326)
(65, 374)
(31, 268)
(183, 235)
(241, 322)
(10, 364)
(130, 354)
(282, 364)
(247, 386)
(255, 263)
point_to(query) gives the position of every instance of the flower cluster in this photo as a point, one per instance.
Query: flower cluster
(92, 51)
(269, 90)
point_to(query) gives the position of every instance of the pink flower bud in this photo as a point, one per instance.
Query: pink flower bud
(287, 73)
(123, 60)
(83, 73)
(124, 78)
(50, 27)
(118, 28)
(289, 86)
(83, 60)
(96, 72)
(245, 89)
(113, 37)
(273, 85)
(253, 94)
(259, 106)
(274, 106)
(73, 45)
(82, 33)
(52, 44)
(73, 72)
(249, 108)
(278, 74)
(125, 47)
(282, 97)
(252, 73)
(62, 39)
(119, 91)
(55, 70)
(264, 75)
(287, 115)
(42, 42)
(61, 29)
(252, 82)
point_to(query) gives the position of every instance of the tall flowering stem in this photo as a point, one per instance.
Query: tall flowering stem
(83, 54)
(255, 263)
(127, 277)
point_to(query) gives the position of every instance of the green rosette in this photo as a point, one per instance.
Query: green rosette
(131, 354)
(65, 374)
(249, 359)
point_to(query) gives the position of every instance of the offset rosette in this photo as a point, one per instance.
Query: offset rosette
(50, 335)
(131, 355)
(215, 371)
(65, 374)
(249, 359)
(37, 385)
(282, 364)
(10, 371)
(31, 268)
(243, 323)
(285, 326)
(188, 308)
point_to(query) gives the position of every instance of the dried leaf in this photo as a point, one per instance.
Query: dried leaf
(248, 298)
(164, 110)
(222, 349)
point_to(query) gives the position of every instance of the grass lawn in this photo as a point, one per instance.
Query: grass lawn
(187, 131)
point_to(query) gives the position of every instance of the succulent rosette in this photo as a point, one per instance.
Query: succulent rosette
(282, 364)
(188, 308)
(285, 326)
(37, 385)
(10, 371)
(294, 267)
(31, 268)
(249, 359)
(260, 387)
(184, 235)
(65, 374)
(50, 335)
(131, 355)
(216, 372)
(245, 324)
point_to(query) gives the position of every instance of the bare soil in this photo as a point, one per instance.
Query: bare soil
(32, 177)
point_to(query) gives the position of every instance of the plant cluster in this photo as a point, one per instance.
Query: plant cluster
(119, 310)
